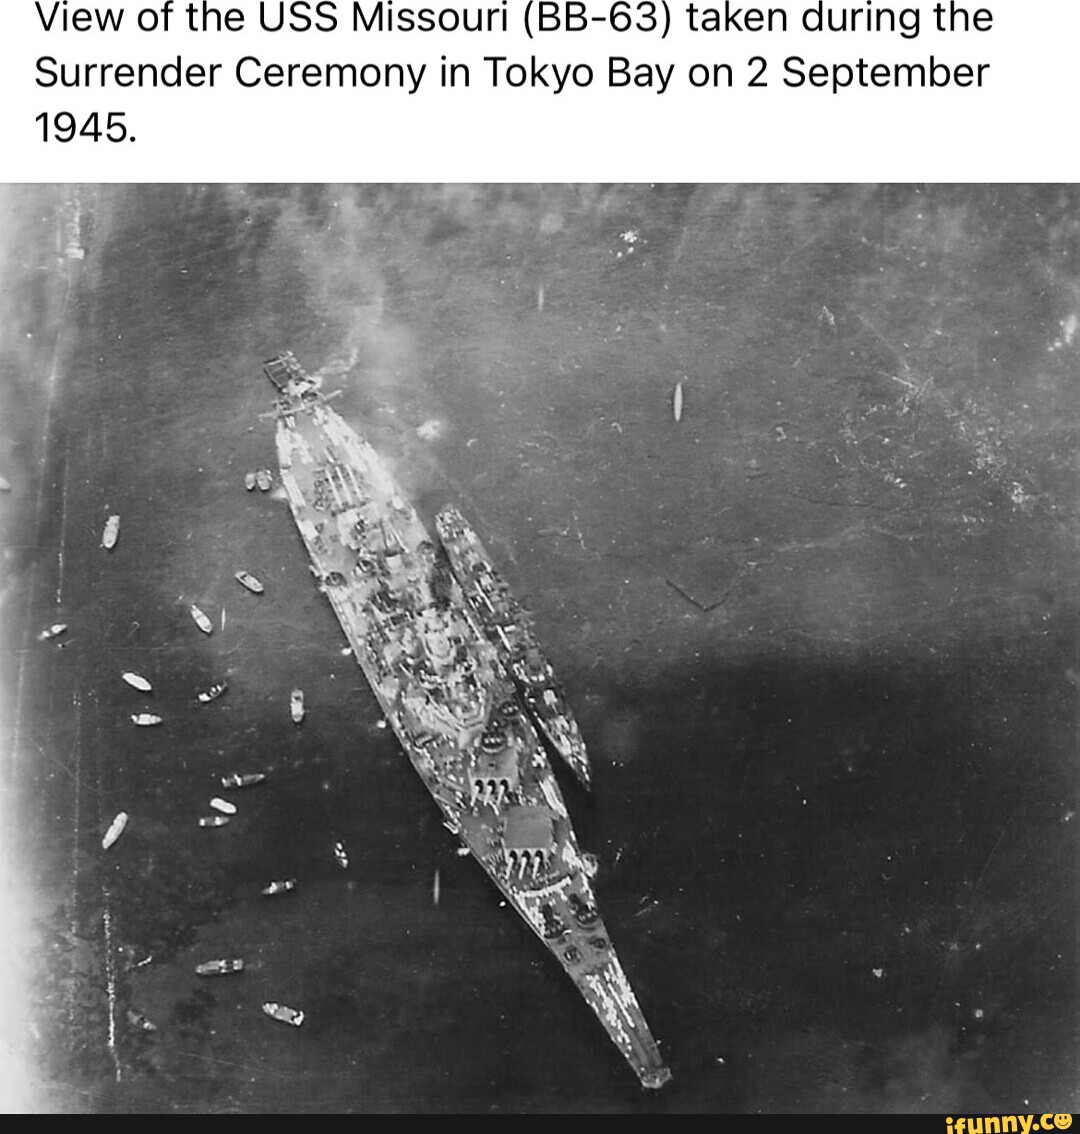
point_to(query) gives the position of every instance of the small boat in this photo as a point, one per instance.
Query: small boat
(283, 1013)
(436, 888)
(223, 805)
(145, 719)
(249, 481)
(111, 533)
(213, 820)
(203, 623)
(246, 579)
(296, 705)
(242, 780)
(282, 887)
(116, 829)
(341, 855)
(137, 681)
(213, 693)
(53, 631)
(138, 1020)
(220, 967)
(677, 402)
(263, 480)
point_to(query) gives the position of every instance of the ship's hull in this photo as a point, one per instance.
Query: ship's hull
(447, 696)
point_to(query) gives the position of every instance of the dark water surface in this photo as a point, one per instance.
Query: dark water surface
(820, 634)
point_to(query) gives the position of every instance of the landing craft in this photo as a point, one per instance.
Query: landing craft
(677, 402)
(203, 623)
(116, 829)
(281, 887)
(283, 1013)
(111, 533)
(220, 967)
(213, 693)
(246, 579)
(246, 779)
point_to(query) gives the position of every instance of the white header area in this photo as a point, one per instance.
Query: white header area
(630, 90)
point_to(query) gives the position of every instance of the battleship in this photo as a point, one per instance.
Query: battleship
(448, 695)
(509, 629)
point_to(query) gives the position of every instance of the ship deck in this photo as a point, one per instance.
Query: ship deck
(449, 699)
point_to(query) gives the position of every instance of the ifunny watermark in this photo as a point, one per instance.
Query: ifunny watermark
(1008, 1123)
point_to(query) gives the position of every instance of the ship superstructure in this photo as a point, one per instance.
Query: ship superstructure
(447, 695)
(509, 629)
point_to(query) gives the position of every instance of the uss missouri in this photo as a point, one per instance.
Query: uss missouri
(449, 693)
